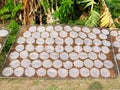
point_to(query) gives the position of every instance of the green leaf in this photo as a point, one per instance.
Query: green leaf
(16, 9)
(5, 16)
(93, 19)
(88, 4)
(3, 10)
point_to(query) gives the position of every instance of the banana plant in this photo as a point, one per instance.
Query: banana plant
(106, 18)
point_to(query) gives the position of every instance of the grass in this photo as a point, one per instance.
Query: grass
(63, 84)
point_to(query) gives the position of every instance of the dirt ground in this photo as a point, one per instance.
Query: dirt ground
(61, 84)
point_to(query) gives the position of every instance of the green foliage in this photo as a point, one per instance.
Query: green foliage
(114, 7)
(93, 20)
(45, 5)
(65, 10)
(13, 27)
(89, 3)
(77, 22)
(9, 10)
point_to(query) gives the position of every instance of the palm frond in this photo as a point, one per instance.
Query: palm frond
(93, 19)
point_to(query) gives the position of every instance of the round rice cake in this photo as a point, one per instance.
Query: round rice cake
(25, 63)
(29, 72)
(32, 28)
(63, 34)
(97, 42)
(105, 49)
(49, 49)
(19, 48)
(45, 34)
(92, 55)
(41, 72)
(29, 47)
(41, 29)
(52, 73)
(78, 41)
(44, 55)
(88, 63)
(24, 54)
(68, 48)
(102, 36)
(49, 28)
(96, 31)
(59, 48)
(96, 49)
(105, 31)
(40, 41)
(62, 72)
(19, 71)
(49, 41)
(64, 56)
(84, 72)
(94, 72)
(106, 43)
(108, 64)
(36, 34)
(58, 28)
(78, 63)
(74, 72)
(39, 48)
(47, 63)
(87, 41)
(118, 56)
(73, 56)
(3, 33)
(68, 41)
(59, 40)
(68, 65)
(105, 72)
(57, 64)
(82, 35)
(67, 28)
(27, 34)
(76, 28)
(78, 49)
(7, 71)
(114, 33)
(87, 48)
(118, 32)
(116, 44)
(36, 63)
(98, 63)
(118, 50)
(30, 40)
(53, 34)
(13, 55)
(102, 56)
(86, 29)
(118, 38)
(14, 63)
(92, 35)
(73, 34)
(54, 55)
(21, 40)
(83, 55)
